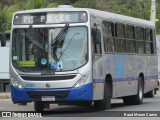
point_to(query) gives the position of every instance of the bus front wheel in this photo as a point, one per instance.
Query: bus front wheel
(106, 102)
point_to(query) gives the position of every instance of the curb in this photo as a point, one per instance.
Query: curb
(4, 95)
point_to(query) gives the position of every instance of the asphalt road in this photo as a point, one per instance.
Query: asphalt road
(149, 107)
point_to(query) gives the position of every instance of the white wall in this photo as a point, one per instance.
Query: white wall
(4, 62)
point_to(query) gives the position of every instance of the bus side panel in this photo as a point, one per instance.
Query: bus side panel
(125, 70)
(107, 65)
(98, 79)
(135, 65)
(130, 85)
(151, 72)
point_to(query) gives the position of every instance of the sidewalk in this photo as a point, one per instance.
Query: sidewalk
(5, 95)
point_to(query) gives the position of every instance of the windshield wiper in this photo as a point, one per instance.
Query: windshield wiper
(54, 43)
(40, 42)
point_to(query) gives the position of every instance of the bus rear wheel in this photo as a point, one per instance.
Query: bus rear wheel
(136, 99)
(106, 102)
(38, 106)
(150, 94)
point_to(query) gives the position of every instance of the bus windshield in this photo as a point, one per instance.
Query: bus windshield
(45, 49)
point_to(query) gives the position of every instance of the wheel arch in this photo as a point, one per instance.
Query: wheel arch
(109, 80)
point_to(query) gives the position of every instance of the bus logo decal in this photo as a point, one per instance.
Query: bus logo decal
(30, 85)
(48, 85)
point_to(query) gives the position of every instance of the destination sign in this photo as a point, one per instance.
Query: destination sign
(50, 18)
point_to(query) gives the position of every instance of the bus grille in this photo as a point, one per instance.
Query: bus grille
(47, 78)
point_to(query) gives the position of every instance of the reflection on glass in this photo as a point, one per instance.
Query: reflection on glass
(32, 54)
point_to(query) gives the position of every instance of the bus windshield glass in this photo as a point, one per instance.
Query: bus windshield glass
(49, 49)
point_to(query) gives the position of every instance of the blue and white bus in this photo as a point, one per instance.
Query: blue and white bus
(158, 53)
(70, 55)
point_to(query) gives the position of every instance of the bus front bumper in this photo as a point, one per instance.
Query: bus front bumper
(84, 93)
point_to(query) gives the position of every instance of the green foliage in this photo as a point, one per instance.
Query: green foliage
(53, 5)
(9, 13)
(134, 8)
(33, 4)
(67, 2)
(85, 3)
(3, 16)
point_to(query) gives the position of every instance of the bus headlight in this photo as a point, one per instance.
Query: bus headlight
(82, 81)
(16, 82)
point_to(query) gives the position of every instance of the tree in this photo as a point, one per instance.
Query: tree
(8, 11)
(85, 3)
(33, 4)
(3, 18)
(134, 8)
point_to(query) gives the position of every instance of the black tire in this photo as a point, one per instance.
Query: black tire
(106, 102)
(38, 106)
(87, 104)
(149, 94)
(136, 99)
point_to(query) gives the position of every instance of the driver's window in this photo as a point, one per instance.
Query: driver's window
(97, 42)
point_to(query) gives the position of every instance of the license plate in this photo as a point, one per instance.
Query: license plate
(48, 98)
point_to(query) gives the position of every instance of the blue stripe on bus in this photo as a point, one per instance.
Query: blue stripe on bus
(98, 80)
(84, 93)
(124, 79)
(151, 77)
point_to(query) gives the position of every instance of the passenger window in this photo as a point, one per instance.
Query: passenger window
(129, 35)
(139, 36)
(129, 31)
(149, 41)
(120, 40)
(139, 33)
(108, 33)
(140, 47)
(120, 30)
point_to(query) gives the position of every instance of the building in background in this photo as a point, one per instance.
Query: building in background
(4, 65)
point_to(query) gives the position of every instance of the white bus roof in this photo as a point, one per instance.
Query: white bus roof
(108, 16)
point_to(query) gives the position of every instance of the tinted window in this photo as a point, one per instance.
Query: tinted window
(149, 41)
(129, 32)
(139, 33)
(120, 41)
(140, 47)
(120, 30)
(139, 36)
(97, 42)
(108, 33)
(129, 35)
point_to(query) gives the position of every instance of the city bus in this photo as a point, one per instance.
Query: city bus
(158, 54)
(81, 56)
